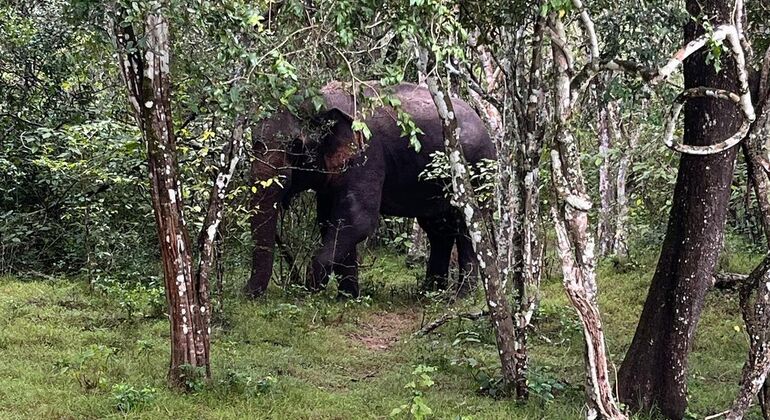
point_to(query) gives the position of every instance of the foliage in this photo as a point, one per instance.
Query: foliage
(89, 367)
(194, 378)
(126, 397)
(70, 173)
(245, 384)
(483, 176)
(543, 384)
(416, 407)
(134, 294)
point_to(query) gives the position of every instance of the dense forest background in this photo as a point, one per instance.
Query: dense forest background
(590, 188)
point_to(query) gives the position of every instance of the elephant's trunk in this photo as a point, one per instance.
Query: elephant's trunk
(269, 176)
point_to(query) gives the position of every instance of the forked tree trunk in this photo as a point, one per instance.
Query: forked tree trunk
(574, 242)
(146, 74)
(654, 372)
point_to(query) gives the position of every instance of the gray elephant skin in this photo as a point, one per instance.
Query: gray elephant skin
(357, 180)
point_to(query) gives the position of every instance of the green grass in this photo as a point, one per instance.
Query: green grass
(324, 354)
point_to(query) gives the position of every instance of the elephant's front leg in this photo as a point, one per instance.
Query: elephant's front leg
(338, 255)
(352, 216)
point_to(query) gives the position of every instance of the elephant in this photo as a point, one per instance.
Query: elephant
(356, 180)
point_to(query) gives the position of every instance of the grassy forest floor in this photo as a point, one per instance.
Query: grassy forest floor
(67, 352)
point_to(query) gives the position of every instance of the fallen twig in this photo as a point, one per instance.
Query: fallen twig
(443, 319)
(728, 281)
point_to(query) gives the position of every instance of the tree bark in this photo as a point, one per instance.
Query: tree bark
(147, 77)
(574, 242)
(527, 248)
(754, 291)
(480, 226)
(605, 231)
(654, 372)
(416, 252)
(228, 162)
(631, 140)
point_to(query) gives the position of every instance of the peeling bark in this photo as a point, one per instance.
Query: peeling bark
(629, 140)
(605, 231)
(570, 216)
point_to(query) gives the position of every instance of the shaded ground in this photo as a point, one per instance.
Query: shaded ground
(66, 352)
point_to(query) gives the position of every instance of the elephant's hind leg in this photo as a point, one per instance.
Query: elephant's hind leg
(441, 242)
(467, 260)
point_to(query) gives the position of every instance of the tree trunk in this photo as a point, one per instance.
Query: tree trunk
(146, 74)
(527, 248)
(754, 293)
(574, 242)
(631, 139)
(654, 372)
(480, 226)
(231, 155)
(605, 231)
(416, 253)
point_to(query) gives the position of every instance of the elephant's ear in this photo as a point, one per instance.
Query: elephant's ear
(339, 142)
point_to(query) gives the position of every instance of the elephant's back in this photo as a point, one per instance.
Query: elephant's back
(405, 193)
(416, 100)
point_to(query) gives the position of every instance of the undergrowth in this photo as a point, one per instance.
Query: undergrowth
(72, 352)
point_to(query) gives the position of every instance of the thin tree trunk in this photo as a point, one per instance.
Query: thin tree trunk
(527, 249)
(480, 225)
(219, 246)
(605, 231)
(631, 140)
(654, 372)
(416, 251)
(754, 293)
(574, 242)
(228, 162)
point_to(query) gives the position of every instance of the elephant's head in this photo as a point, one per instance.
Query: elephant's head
(292, 154)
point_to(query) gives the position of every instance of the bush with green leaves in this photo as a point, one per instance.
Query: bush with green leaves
(136, 294)
(194, 377)
(243, 383)
(487, 376)
(126, 397)
(416, 407)
(89, 367)
(543, 384)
